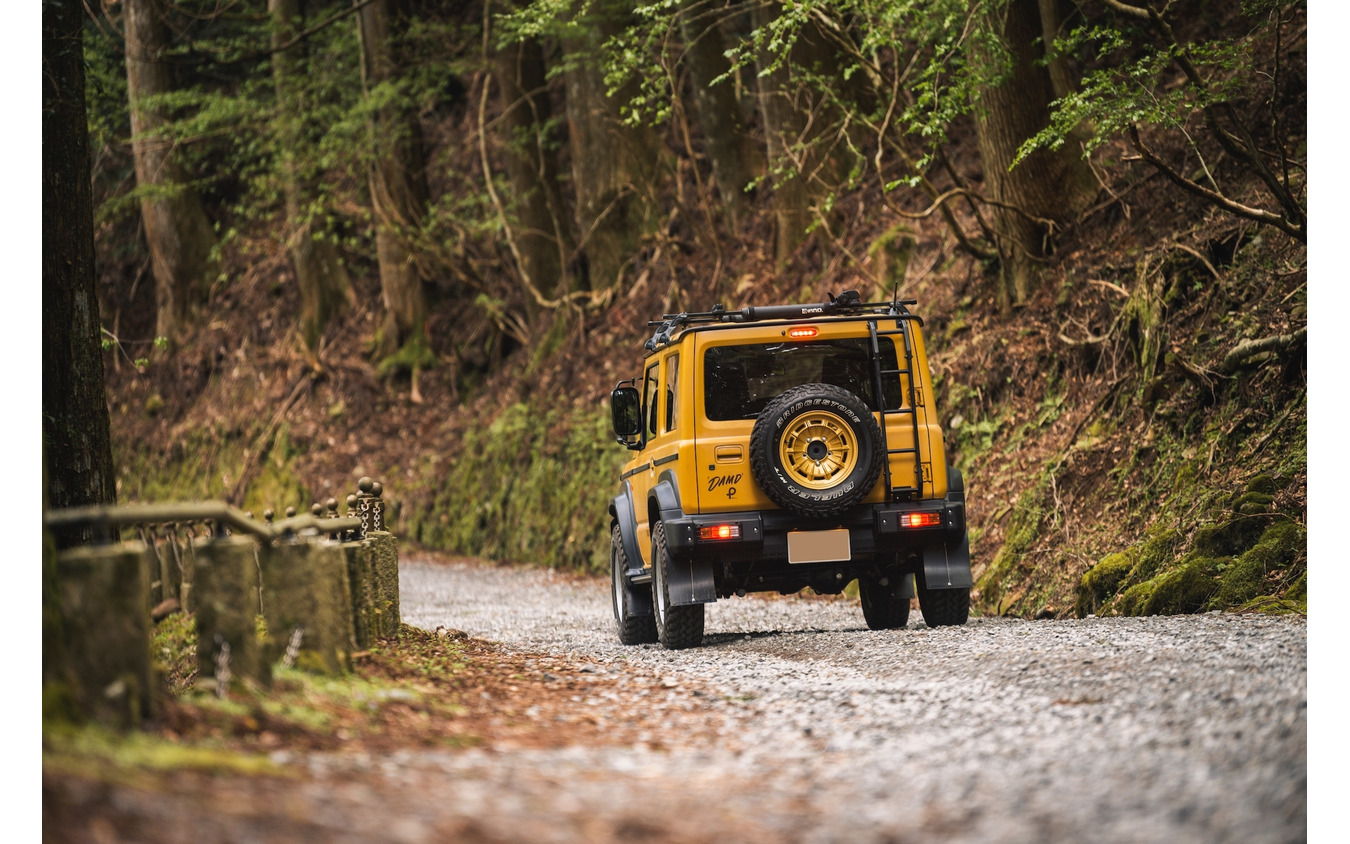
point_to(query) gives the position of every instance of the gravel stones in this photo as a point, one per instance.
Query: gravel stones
(1120, 729)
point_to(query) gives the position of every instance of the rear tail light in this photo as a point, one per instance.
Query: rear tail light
(716, 532)
(804, 332)
(916, 520)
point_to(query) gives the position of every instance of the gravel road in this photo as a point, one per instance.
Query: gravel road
(1186, 728)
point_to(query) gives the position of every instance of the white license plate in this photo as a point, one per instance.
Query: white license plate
(818, 546)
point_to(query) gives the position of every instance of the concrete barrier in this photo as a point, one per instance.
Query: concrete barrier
(104, 594)
(227, 591)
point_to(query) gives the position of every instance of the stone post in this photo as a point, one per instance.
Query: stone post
(228, 644)
(308, 604)
(361, 582)
(384, 572)
(104, 599)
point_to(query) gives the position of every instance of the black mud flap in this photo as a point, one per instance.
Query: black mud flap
(947, 568)
(691, 582)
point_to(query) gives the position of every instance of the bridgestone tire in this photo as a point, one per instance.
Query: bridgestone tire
(816, 450)
(632, 629)
(884, 607)
(942, 607)
(677, 628)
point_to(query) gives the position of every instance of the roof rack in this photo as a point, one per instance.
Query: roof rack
(848, 303)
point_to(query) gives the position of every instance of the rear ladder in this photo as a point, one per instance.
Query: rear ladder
(902, 330)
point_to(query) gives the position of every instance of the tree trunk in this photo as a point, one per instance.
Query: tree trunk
(398, 185)
(75, 436)
(177, 233)
(735, 159)
(544, 237)
(797, 130)
(325, 288)
(613, 164)
(1047, 186)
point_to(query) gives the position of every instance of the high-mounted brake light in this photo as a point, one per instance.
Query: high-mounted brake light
(715, 532)
(915, 520)
(803, 332)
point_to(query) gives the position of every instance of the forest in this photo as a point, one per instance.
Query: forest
(293, 243)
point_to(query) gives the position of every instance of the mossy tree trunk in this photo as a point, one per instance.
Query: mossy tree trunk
(75, 435)
(325, 288)
(544, 236)
(801, 131)
(398, 182)
(1050, 186)
(613, 164)
(177, 233)
(735, 159)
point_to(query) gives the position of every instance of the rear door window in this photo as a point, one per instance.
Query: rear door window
(740, 380)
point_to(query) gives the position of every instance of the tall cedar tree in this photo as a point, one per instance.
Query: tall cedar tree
(177, 232)
(398, 183)
(1049, 186)
(325, 288)
(613, 163)
(75, 435)
(545, 237)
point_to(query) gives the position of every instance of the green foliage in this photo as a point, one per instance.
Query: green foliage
(532, 487)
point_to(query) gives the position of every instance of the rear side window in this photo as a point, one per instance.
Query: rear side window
(740, 380)
(649, 399)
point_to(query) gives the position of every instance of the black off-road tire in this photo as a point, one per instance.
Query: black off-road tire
(677, 628)
(632, 629)
(846, 471)
(942, 607)
(884, 607)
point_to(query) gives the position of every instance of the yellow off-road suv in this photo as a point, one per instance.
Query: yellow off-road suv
(778, 448)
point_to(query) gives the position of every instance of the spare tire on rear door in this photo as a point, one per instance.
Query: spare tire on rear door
(816, 450)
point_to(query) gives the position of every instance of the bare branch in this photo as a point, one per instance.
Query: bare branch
(1296, 231)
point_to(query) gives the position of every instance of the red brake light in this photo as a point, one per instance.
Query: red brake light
(915, 520)
(803, 332)
(715, 532)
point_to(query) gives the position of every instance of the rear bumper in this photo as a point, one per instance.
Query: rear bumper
(877, 533)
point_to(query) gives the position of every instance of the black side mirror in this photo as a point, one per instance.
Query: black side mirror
(625, 407)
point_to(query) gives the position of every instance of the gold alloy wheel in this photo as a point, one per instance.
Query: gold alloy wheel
(818, 450)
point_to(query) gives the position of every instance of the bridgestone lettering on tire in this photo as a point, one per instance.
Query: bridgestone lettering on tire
(676, 627)
(942, 607)
(632, 629)
(816, 450)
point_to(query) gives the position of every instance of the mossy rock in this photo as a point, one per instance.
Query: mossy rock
(1156, 553)
(1102, 581)
(1299, 591)
(1132, 600)
(1253, 503)
(1230, 537)
(1263, 485)
(1244, 580)
(1187, 590)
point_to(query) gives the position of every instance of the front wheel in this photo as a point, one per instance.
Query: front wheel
(942, 607)
(885, 605)
(632, 629)
(676, 627)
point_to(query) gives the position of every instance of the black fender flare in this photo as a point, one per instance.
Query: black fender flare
(691, 579)
(621, 509)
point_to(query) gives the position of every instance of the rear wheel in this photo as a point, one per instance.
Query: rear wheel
(942, 607)
(885, 606)
(632, 629)
(676, 627)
